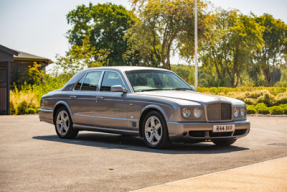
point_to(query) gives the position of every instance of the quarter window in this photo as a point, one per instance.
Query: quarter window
(110, 79)
(78, 86)
(91, 81)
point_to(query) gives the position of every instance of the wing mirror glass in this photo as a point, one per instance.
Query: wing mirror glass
(118, 88)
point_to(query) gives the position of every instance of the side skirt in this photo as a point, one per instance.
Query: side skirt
(106, 130)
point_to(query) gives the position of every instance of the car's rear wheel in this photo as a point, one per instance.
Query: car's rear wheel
(224, 142)
(154, 131)
(64, 125)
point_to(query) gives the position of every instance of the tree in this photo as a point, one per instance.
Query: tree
(186, 72)
(80, 57)
(105, 24)
(166, 26)
(231, 43)
(275, 46)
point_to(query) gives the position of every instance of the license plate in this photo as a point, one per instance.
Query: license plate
(223, 128)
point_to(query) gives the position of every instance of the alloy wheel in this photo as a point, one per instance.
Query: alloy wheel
(153, 130)
(63, 123)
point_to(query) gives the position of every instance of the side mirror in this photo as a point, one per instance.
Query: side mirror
(192, 87)
(118, 88)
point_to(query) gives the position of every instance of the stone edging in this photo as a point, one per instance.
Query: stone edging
(265, 115)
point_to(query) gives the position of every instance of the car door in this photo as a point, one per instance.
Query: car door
(111, 106)
(83, 99)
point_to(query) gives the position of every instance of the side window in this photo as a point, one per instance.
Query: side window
(91, 81)
(110, 79)
(78, 86)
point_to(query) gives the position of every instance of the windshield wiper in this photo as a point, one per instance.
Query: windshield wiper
(151, 89)
(180, 89)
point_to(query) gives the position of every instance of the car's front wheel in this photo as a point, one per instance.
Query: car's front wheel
(155, 131)
(224, 142)
(64, 125)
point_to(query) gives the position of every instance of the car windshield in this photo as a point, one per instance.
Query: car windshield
(156, 80)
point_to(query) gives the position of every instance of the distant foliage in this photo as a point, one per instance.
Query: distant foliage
(22, 102)
(263, 100)
(276, 110)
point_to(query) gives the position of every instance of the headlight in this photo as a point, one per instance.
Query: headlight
(236, 111)
(197, 112)
(186, 112)
(242, 112)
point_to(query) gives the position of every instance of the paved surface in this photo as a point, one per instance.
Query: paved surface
(33, 158)
(266, 176)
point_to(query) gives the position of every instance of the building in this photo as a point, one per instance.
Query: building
(13, 65)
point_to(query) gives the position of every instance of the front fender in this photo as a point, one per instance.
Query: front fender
(163, 112)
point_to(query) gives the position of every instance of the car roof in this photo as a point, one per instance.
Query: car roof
(126, 68)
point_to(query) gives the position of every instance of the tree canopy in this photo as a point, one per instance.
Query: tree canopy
(275, 45)
(106, 25)
(231, 43)
(167, 26)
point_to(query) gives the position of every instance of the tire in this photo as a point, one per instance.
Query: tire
(64, 125)
(224, 142)
(154, 131)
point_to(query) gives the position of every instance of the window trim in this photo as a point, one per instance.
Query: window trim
(125, 87)
(84, 75)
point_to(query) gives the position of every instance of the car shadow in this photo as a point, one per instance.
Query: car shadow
(115, 141)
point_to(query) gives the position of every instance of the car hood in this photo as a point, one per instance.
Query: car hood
(191, 96)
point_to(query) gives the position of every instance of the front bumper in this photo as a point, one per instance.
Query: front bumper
(202, 131)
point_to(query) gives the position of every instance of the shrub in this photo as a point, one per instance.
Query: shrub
(276, 110)
(21, 101)
(281, 98)
(221, 94)
(284, 107)
(267, 99)
(262, 108)
(251, 109)
(256, 94)
(30, 111)
(21, 107)
(249, 101)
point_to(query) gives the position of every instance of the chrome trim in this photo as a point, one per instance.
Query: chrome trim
(46, 110)
(109, 130)
(218, 121)
(102, 117)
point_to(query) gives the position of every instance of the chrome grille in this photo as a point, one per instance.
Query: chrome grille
(213, 111)
(218, 111)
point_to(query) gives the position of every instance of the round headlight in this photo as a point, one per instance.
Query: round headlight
(242, 112)
(197, 112)
(236, 111)
(186, 112)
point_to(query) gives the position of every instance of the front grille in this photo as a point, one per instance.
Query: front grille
(219, 111)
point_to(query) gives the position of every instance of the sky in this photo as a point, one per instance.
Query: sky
(39, 27)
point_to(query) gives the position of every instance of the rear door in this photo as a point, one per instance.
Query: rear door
(83, 99)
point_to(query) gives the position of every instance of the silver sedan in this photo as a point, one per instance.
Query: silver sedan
(152, 103)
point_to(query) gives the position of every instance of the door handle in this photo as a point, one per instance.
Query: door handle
(99, 97)
(73, 96)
